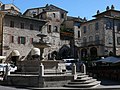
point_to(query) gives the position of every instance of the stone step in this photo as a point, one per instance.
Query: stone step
(83, 79)
(82, 76)
(83, 82)
(93, 84)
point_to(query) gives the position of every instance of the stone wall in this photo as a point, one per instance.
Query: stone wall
(36, 81)
(16, 32)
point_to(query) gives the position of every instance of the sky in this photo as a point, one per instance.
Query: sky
(75, 8)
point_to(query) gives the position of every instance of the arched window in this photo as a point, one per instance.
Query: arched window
(12, 8)
(55, 29)
(84, 29)
(96, 26)
(108, 25)
(110, 39)
(78, 34)
(54, 15)
(84, 40)
(96, 38)
(90, 39)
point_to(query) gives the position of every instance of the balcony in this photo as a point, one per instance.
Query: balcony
(92, 43)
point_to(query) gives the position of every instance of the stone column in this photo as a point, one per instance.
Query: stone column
(41, 73)
(73, 69)
(83, 68)
(41, 70)
(6, 73)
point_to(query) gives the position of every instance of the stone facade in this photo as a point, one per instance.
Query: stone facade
(97, 35)
(9, 8)
(94, 38)
(55, 17)
(18, 35)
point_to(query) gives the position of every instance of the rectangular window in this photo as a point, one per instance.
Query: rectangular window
(118, 40)
(62, 15)
(31, 26)
(11, 39)
(21, 40)
(11, 23)
(49, 29)
(55, 29)
(109, 25)
(96, 26)
(18, 40)
(118, 27)
(40, 28)
(90, 27)
(78, 34)
(22, 25)
(84, 29)
(31, 40)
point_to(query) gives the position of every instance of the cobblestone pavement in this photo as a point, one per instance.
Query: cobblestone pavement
(105, 84)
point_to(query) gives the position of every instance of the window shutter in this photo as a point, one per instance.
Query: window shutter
(18, 40)
(31, 40)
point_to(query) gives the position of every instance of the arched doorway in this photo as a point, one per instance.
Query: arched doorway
(83, 53)
(111, 53)
(64, 52)
(54, 54)
(93, 52)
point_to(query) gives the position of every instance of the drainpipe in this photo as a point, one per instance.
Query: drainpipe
(1, 43)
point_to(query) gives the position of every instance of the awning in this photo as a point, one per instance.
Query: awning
(35, 51)
(15, 53)
(110, 59)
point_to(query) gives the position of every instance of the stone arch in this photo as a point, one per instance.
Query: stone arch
(12, 8)
(64, 52)
(83, 52)
(93, 52)
(54, 54)
(111, 53)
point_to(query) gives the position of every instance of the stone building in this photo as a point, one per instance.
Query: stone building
(71, 31)
(100, 36)
(57, 18)
(69, 37)
(9, 8)
(17, 33)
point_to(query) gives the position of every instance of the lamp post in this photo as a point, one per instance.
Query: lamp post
(1, 28)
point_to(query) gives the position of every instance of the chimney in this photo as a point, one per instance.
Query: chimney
(85, 19)
(107, 8)
(112, 7)
(46, 5)
(98, 11)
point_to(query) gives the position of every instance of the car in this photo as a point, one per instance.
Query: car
(11, 68)
(68, 63)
